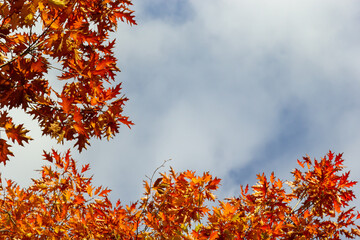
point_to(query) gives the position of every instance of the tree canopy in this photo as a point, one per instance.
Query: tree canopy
(71, 37)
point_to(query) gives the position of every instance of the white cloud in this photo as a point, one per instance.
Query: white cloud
(219, 82)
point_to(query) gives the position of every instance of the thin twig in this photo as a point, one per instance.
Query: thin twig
(147, 198)
(57, 68)
(31, 46)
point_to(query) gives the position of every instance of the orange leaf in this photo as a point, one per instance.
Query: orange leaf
(337, 206)
(300, 163)
(89, 190)
(213, 235)
(66, 104)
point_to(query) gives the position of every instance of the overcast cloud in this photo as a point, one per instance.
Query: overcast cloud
(232, 87)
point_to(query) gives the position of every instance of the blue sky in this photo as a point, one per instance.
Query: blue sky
(233, 87)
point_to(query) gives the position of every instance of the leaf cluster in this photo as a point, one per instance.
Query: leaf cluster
(72, 37)
(64, 204)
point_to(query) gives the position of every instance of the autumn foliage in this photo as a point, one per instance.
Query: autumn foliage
(70, 39)
(40, 38)
(64, 204)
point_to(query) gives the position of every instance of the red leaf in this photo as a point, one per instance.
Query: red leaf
(4, 151)
(85, 168)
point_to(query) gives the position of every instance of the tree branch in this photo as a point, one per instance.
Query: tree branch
(31, 46)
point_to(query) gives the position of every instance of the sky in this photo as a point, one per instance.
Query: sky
(233, 87)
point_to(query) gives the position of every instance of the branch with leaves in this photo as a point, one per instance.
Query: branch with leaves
(63, 203)
(85, 107)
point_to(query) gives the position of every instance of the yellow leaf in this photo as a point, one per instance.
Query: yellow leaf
(29, 17)
(58, 3)
(41, 6)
